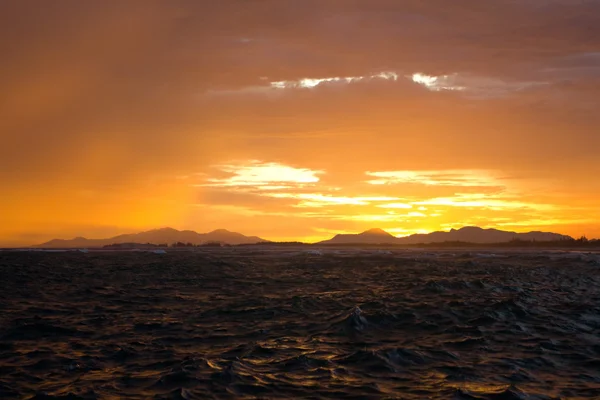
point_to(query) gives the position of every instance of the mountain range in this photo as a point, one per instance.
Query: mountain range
(158, 236)
(469, 234)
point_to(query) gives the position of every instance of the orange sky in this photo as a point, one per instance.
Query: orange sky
(295, 120)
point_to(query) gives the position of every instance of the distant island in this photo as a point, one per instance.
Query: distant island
(467, 234)
(158, 237)
(463, 237)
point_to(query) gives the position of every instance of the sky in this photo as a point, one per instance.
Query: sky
(298, 119)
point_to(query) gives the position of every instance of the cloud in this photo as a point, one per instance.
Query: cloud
(545, 222)
(474, 86)
(309, 83)
(263, 176)
(483, 202)
(320, 200)
(253, 181)
(271, 88)
(395, 205)
(257, 188)
(435, 178)
(479, 87)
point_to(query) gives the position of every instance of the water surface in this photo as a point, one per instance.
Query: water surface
(259, 323)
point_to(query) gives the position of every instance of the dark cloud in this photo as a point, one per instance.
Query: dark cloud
(291, 39)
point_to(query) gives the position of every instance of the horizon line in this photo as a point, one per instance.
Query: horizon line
(299, 241)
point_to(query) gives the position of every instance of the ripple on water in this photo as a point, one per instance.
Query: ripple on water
(248, 323)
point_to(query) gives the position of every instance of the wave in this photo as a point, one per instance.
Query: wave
(257, 324)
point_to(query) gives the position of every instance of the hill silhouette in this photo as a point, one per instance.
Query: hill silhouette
(372, 236)
(375, 236)
(467, 234)
(158, 236)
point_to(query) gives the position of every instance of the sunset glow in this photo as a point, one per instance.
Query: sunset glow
(298, 122)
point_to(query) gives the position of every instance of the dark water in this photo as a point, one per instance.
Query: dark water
(260, 324)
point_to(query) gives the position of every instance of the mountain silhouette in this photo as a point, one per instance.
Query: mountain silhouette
(158, 236)
(372, 236)
(470, 234)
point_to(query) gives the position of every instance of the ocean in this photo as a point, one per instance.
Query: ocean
(276, 323)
